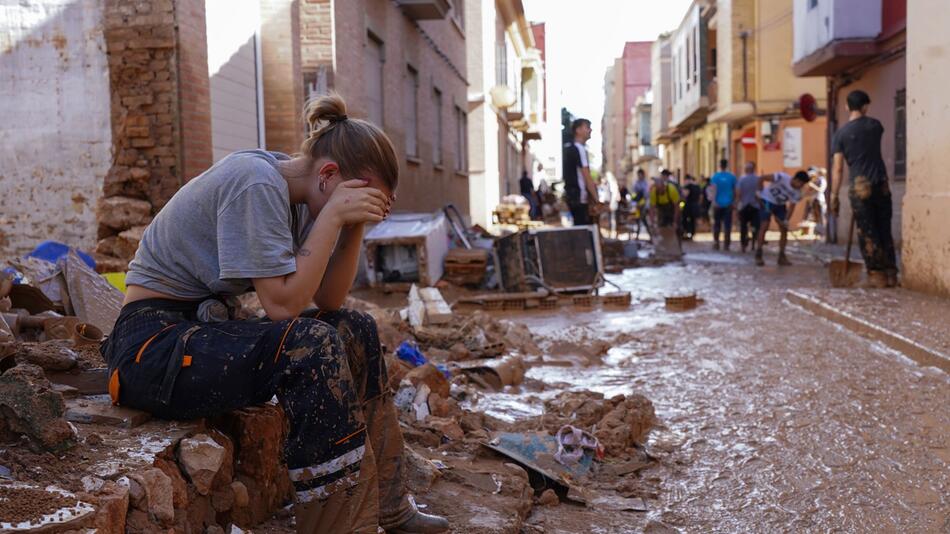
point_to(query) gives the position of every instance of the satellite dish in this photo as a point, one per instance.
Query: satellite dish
(808, 107)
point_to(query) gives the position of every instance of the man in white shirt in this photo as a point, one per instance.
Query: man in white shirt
(579, 187)
(779, 193)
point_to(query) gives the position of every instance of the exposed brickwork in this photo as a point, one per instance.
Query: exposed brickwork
(436, 49)
(283, 84)
(161, 124)
(194, 88)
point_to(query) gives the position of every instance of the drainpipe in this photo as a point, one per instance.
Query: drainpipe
(744, 35)
(831, 233)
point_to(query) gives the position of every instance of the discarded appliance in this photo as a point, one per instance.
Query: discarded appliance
(407, 248)
(563, 259)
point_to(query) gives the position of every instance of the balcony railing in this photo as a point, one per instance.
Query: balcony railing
(425, 9)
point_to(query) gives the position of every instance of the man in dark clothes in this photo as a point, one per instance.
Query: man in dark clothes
(579, 187)
(859, 144)
(527, 191)
(694, 194)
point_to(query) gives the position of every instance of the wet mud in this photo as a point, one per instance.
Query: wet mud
(770, 419)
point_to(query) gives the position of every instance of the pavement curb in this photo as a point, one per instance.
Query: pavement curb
(919, 353)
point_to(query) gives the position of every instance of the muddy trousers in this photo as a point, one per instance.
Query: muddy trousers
(872, 217)
(344, 448)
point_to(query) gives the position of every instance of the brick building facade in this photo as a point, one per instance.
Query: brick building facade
(125, 94)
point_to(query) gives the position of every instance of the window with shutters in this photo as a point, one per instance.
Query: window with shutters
(412, 111)
(900, 135)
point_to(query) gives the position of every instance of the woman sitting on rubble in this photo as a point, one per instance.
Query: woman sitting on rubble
(289, 229)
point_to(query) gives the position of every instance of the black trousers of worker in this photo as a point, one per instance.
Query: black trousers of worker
(580, 213)
(344, 448)
(722, 221)
(748, 218)
(873, 210)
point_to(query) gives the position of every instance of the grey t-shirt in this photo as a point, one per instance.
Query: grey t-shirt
(232, 223)
(748, 187)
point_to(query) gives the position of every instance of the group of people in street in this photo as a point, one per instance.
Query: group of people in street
(757, 200)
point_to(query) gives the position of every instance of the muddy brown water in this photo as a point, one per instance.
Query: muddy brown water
(773, 420)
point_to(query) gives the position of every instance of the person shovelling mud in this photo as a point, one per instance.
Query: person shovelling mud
(778, 197)
(290, 229)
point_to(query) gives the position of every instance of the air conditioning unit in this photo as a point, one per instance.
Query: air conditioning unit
(565, 259)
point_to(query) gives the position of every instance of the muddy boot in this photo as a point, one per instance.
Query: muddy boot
(421, 523)
(876, 280)
(892, 280)
(758, 258)
(783, 260)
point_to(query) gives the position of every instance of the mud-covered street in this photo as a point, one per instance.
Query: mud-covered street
(772, 419)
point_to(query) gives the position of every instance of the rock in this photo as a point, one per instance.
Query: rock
(472, 421)
(157, 494)
(122, 213)
(226, 473)
(582, 409)
(397, 370)
(258, 435)
(110, 264)
(447, 427)
(107, 246)
(420, 472)
(91, 484)
(30, 407)
(459, 352)
(112, 509)
(431, 376)
(222, 499)
(99, 410)
(443, 407)
(549, 498)
(127, 242)
(179, 486)
(241, 498)
(626, 425)
(200, 458)
(50, 355)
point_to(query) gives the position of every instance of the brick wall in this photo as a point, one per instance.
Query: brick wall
(435, 49)
(161, 129)
(283, 81)
(194, 89)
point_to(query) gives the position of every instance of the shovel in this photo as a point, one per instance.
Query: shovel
(841, 271)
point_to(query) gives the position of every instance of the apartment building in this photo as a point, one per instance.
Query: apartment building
(624, 82)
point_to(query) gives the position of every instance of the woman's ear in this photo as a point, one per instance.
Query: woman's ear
(328, 170)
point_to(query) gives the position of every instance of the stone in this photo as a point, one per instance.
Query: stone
(98, 409)
(128, 242)
(549, 498)
(158, 494)
(449, 428)
(179, 486)
(122, 213)
(53, 355)
(112, 508)
(431, 376)
(91, 484)
(200, 458)
(443, 407)
(421, 473)
(110, 264)
(241, 498)
(258, 435)
(459, 352)
(626, 425)
(222, 499)
(29, 406)
(106, 246)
